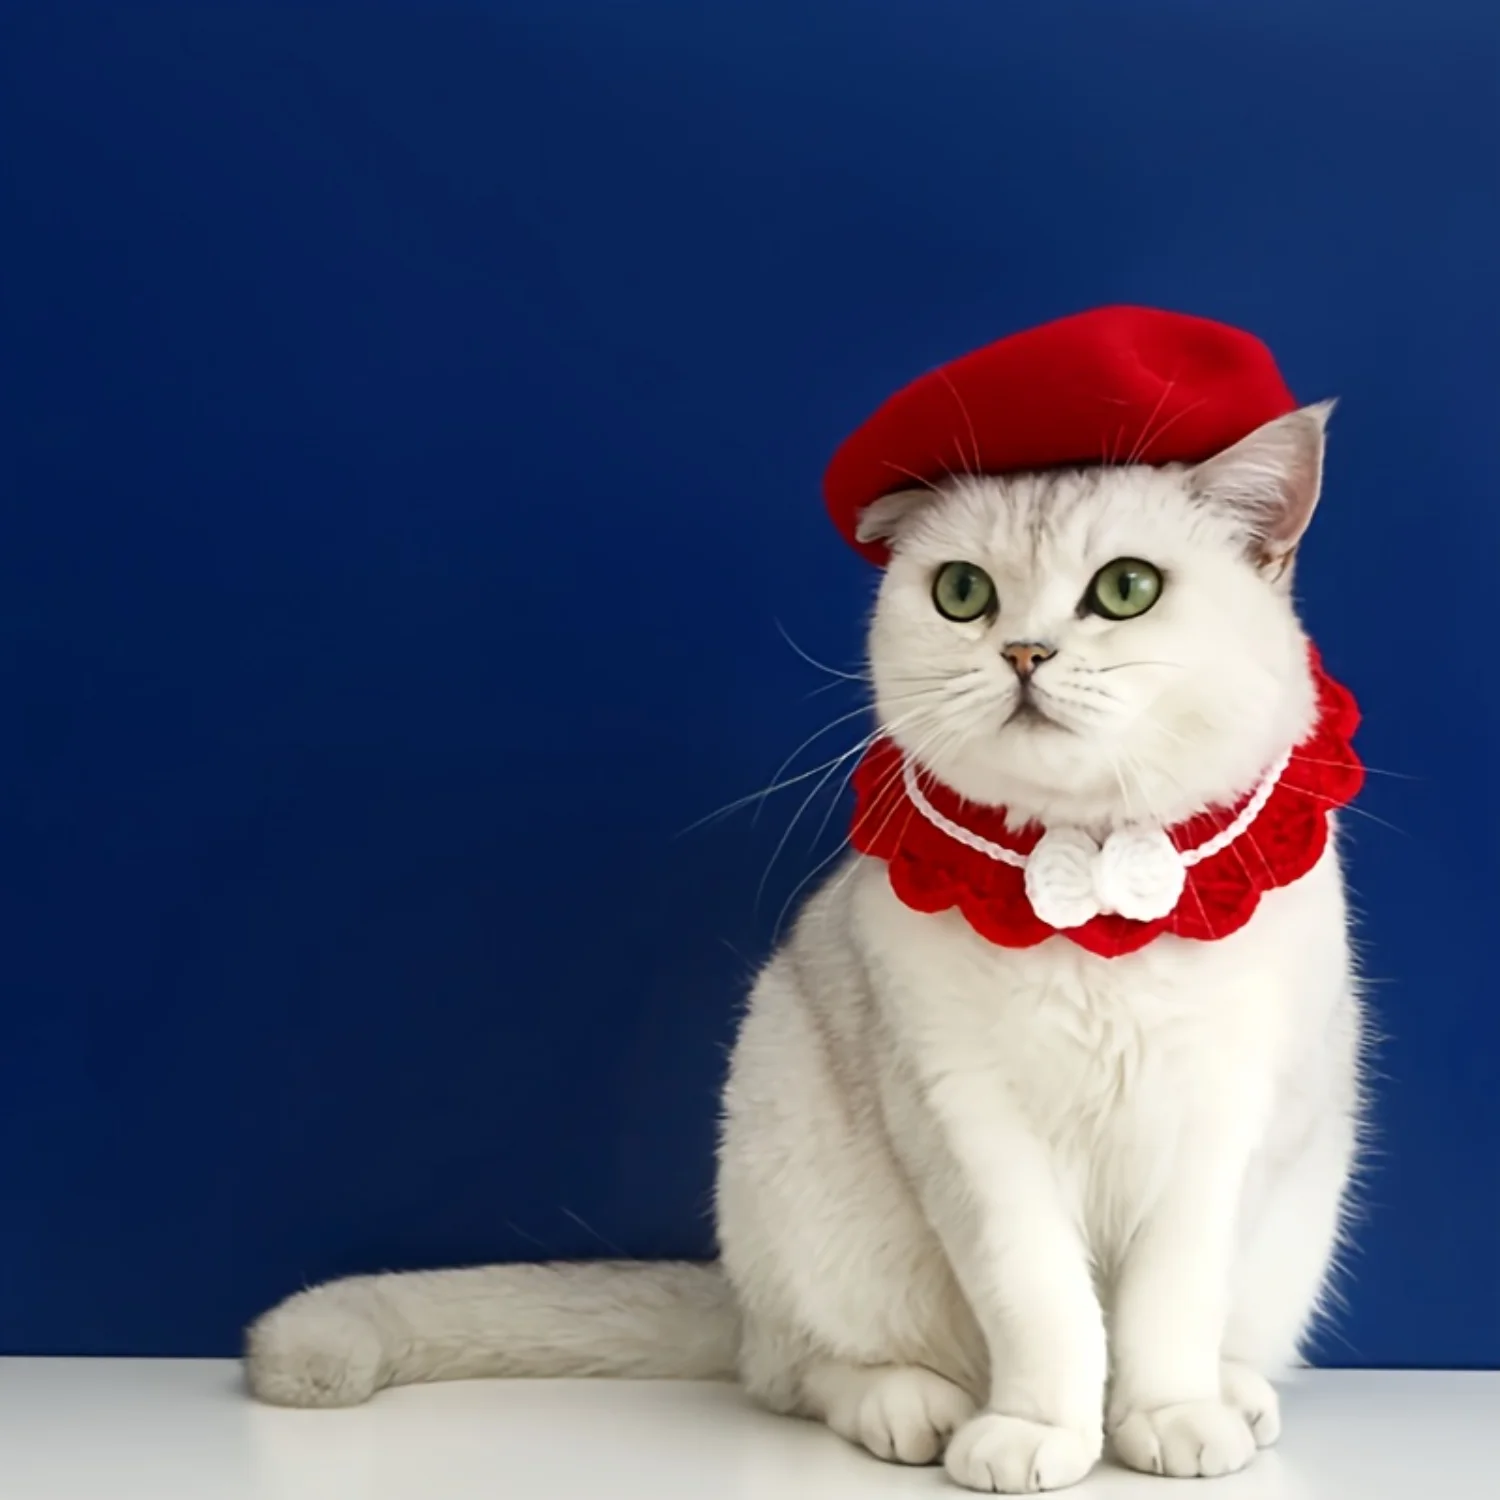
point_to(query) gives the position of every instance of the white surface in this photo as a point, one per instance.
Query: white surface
(177, 1430)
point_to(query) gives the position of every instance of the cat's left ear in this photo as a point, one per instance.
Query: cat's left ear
(884, 520)
(1270, 481)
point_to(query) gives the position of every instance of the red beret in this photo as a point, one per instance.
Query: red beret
(1116, 385)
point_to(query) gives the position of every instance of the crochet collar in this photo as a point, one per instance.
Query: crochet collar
(1201, 879)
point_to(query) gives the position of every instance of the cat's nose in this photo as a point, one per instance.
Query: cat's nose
(1027, 656)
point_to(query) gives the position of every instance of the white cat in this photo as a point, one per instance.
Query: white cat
(983, 1203)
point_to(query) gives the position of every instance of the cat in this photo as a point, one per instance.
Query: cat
(1001, 1206)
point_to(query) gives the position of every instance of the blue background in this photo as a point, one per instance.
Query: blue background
(410, 433)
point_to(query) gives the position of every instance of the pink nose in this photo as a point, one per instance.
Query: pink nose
(1026, 656)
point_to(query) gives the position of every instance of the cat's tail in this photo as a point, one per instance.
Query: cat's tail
(336, 1345)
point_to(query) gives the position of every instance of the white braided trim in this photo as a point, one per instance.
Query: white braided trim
(1248, 814)
(956, 831)
(1017, 861)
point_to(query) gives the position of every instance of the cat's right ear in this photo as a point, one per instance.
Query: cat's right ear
(884, 520)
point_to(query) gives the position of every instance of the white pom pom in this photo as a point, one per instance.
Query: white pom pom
(1139, 874)
(1060, 878)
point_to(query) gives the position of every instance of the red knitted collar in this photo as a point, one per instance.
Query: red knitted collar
(932, 871)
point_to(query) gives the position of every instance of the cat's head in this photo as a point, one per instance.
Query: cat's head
(1101, 645)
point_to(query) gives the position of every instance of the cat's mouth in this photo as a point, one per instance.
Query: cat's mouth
(1029, 714)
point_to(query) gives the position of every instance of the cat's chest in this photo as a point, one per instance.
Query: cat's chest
(1078, 1040)
(1081, 1038)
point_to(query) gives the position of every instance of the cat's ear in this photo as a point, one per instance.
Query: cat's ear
(1270, 481)
(884, 519)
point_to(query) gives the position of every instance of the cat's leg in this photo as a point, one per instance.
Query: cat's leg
(992, 1192)
(881, 1291)
(1173, 1408)
(1289, 1243)
(901, 1412)
(856, 1364)
(849, 1312)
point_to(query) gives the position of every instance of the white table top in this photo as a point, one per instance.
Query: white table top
(184, 1430)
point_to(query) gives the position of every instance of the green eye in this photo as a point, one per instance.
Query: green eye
(963, 592)
(1123, 589)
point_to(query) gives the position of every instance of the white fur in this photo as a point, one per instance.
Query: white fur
(1001, 1204)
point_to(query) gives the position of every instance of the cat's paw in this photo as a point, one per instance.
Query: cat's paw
(904, 1415)
(1254, 1398)
(1194, 1440)
(314, 1351)
(1012, 1456)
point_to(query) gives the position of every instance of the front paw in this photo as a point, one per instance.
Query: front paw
(1194, 1440)
(1254, 1398)
(1012, 1456)
(904, 1414)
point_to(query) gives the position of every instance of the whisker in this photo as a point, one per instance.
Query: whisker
(939, 737)
(901, 721)
(1118, 768)
(1248, 837)
(978, 463)
(837, 797)
(817, 869)
(924, 742)
(786, 765)
(813, 661)
(1057, 698)
(778, 785)
(1342, 807)
(1142, 441)
(1308, 760)
(578, 1219)
(1165, 428)
(1192, 889)
(760, 890)
(829, 687)
(802, 885)
(1091, 688)
(912, 475)
(775, 786)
